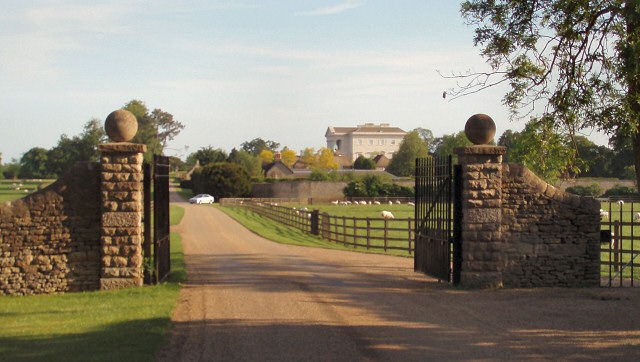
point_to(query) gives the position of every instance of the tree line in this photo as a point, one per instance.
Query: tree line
(155, 129)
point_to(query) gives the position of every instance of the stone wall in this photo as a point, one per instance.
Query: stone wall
(83, 232)
(551, 237)
(301, 190)
(519, 231)
(50, 240)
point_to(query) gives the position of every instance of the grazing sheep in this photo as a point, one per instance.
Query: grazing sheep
(377, 202)
(390, 202)
(386, 214)
(620, 202)
(369, 202)
(636, 217)
(304, 209)
(398, 202)
(411, 203)
(335, 202)
(604, 213)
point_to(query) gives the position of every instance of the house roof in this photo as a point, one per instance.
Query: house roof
(363, 128)
(277, 164)
(381, 161)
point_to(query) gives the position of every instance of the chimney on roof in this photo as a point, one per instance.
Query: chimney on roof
(278, 156)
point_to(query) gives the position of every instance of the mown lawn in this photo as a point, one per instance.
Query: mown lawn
(120, 325)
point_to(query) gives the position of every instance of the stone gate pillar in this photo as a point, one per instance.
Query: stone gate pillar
(482, 249)
(121, 186)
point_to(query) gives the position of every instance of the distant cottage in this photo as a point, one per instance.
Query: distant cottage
(368, 140)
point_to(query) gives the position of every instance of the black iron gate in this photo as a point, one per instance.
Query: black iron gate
(438, 207)
(157, 250)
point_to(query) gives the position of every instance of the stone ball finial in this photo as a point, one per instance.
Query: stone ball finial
(480, 129)
(121, 125)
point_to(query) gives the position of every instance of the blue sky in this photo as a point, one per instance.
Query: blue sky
(232, 71)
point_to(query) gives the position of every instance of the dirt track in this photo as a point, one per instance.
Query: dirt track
(251, 299)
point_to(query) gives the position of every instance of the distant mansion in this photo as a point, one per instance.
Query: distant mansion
(368, 140)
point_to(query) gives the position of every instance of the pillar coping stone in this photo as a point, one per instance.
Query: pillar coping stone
(122, 147)
(480, 150)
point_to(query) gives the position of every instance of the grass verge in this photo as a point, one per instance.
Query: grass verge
(119, 325)
(279, 233)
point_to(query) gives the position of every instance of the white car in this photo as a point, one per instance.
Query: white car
(201, 199)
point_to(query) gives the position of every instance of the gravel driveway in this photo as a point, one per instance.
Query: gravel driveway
(249, 299)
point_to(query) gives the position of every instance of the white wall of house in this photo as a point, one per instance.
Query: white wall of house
(368, 140)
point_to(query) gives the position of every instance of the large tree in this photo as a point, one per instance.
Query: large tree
(576, 63)
(155, 129)
(33, 164)
(207, 155)
(403, 162)
(257, 145)
(82, 147)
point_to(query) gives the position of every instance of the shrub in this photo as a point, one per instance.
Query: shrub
(592, 190)
(222, 179)
(363, 163)
(375, 186)
(619, 190)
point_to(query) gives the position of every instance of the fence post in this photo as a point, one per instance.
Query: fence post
(385, 234)
(315, 214)
(410, 232)
(355, 233)
(368, 233)
(344, 231)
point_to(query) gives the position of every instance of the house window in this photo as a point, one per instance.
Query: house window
(359, 142)
(370, 142)
(393, 142)
(381, 142)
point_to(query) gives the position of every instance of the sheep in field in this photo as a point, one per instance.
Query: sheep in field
(411, 203)
(377, 202)
(636, 217)
(386, 215)
(604, 213)
(390, 202)
(335, 202)
(620, 202)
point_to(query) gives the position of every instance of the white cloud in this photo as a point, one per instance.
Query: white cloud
(99, 18)
(331, 10)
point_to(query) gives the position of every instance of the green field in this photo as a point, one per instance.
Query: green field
(16, 189)
(120, 325)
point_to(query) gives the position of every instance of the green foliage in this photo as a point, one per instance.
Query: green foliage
(576, 61)
(248, 161)
(82, 147)
(155, 129)
(403, 162)
(222, 179)
(207, 155)
(364, 163)
(444, 145)
(593, 190)
(11, 170)
(619, 190)
(375, 186)
(257, 145)
(323, 175)
(629, 173)
(543, 151)
(33, 164)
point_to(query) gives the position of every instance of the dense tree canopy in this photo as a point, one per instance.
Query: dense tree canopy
(257, 145)
(403, 162)
(575, 62)
(33, 164)
(155, 129)
(207, 155)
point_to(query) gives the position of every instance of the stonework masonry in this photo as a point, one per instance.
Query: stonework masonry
(83, 232)
(50, 240)
(121, 221)
(518, 231)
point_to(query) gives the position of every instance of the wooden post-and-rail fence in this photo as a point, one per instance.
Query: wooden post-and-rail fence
(358, 232)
